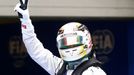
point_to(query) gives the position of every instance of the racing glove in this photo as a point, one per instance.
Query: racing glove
(23, 13)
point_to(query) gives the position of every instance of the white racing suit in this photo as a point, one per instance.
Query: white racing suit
(52, 64)
(44, 57)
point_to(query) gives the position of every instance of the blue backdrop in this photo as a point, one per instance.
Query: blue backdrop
(131, 47)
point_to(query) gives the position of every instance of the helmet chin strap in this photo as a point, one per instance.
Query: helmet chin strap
(73, 64)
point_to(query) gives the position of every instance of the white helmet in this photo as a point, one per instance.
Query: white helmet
(74, 41)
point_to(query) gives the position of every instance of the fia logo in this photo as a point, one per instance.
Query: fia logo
(17, 51)
(103, 43)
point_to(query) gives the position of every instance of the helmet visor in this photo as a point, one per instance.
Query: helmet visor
(70, 42)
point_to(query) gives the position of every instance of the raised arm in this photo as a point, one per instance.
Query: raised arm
(34, 47)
